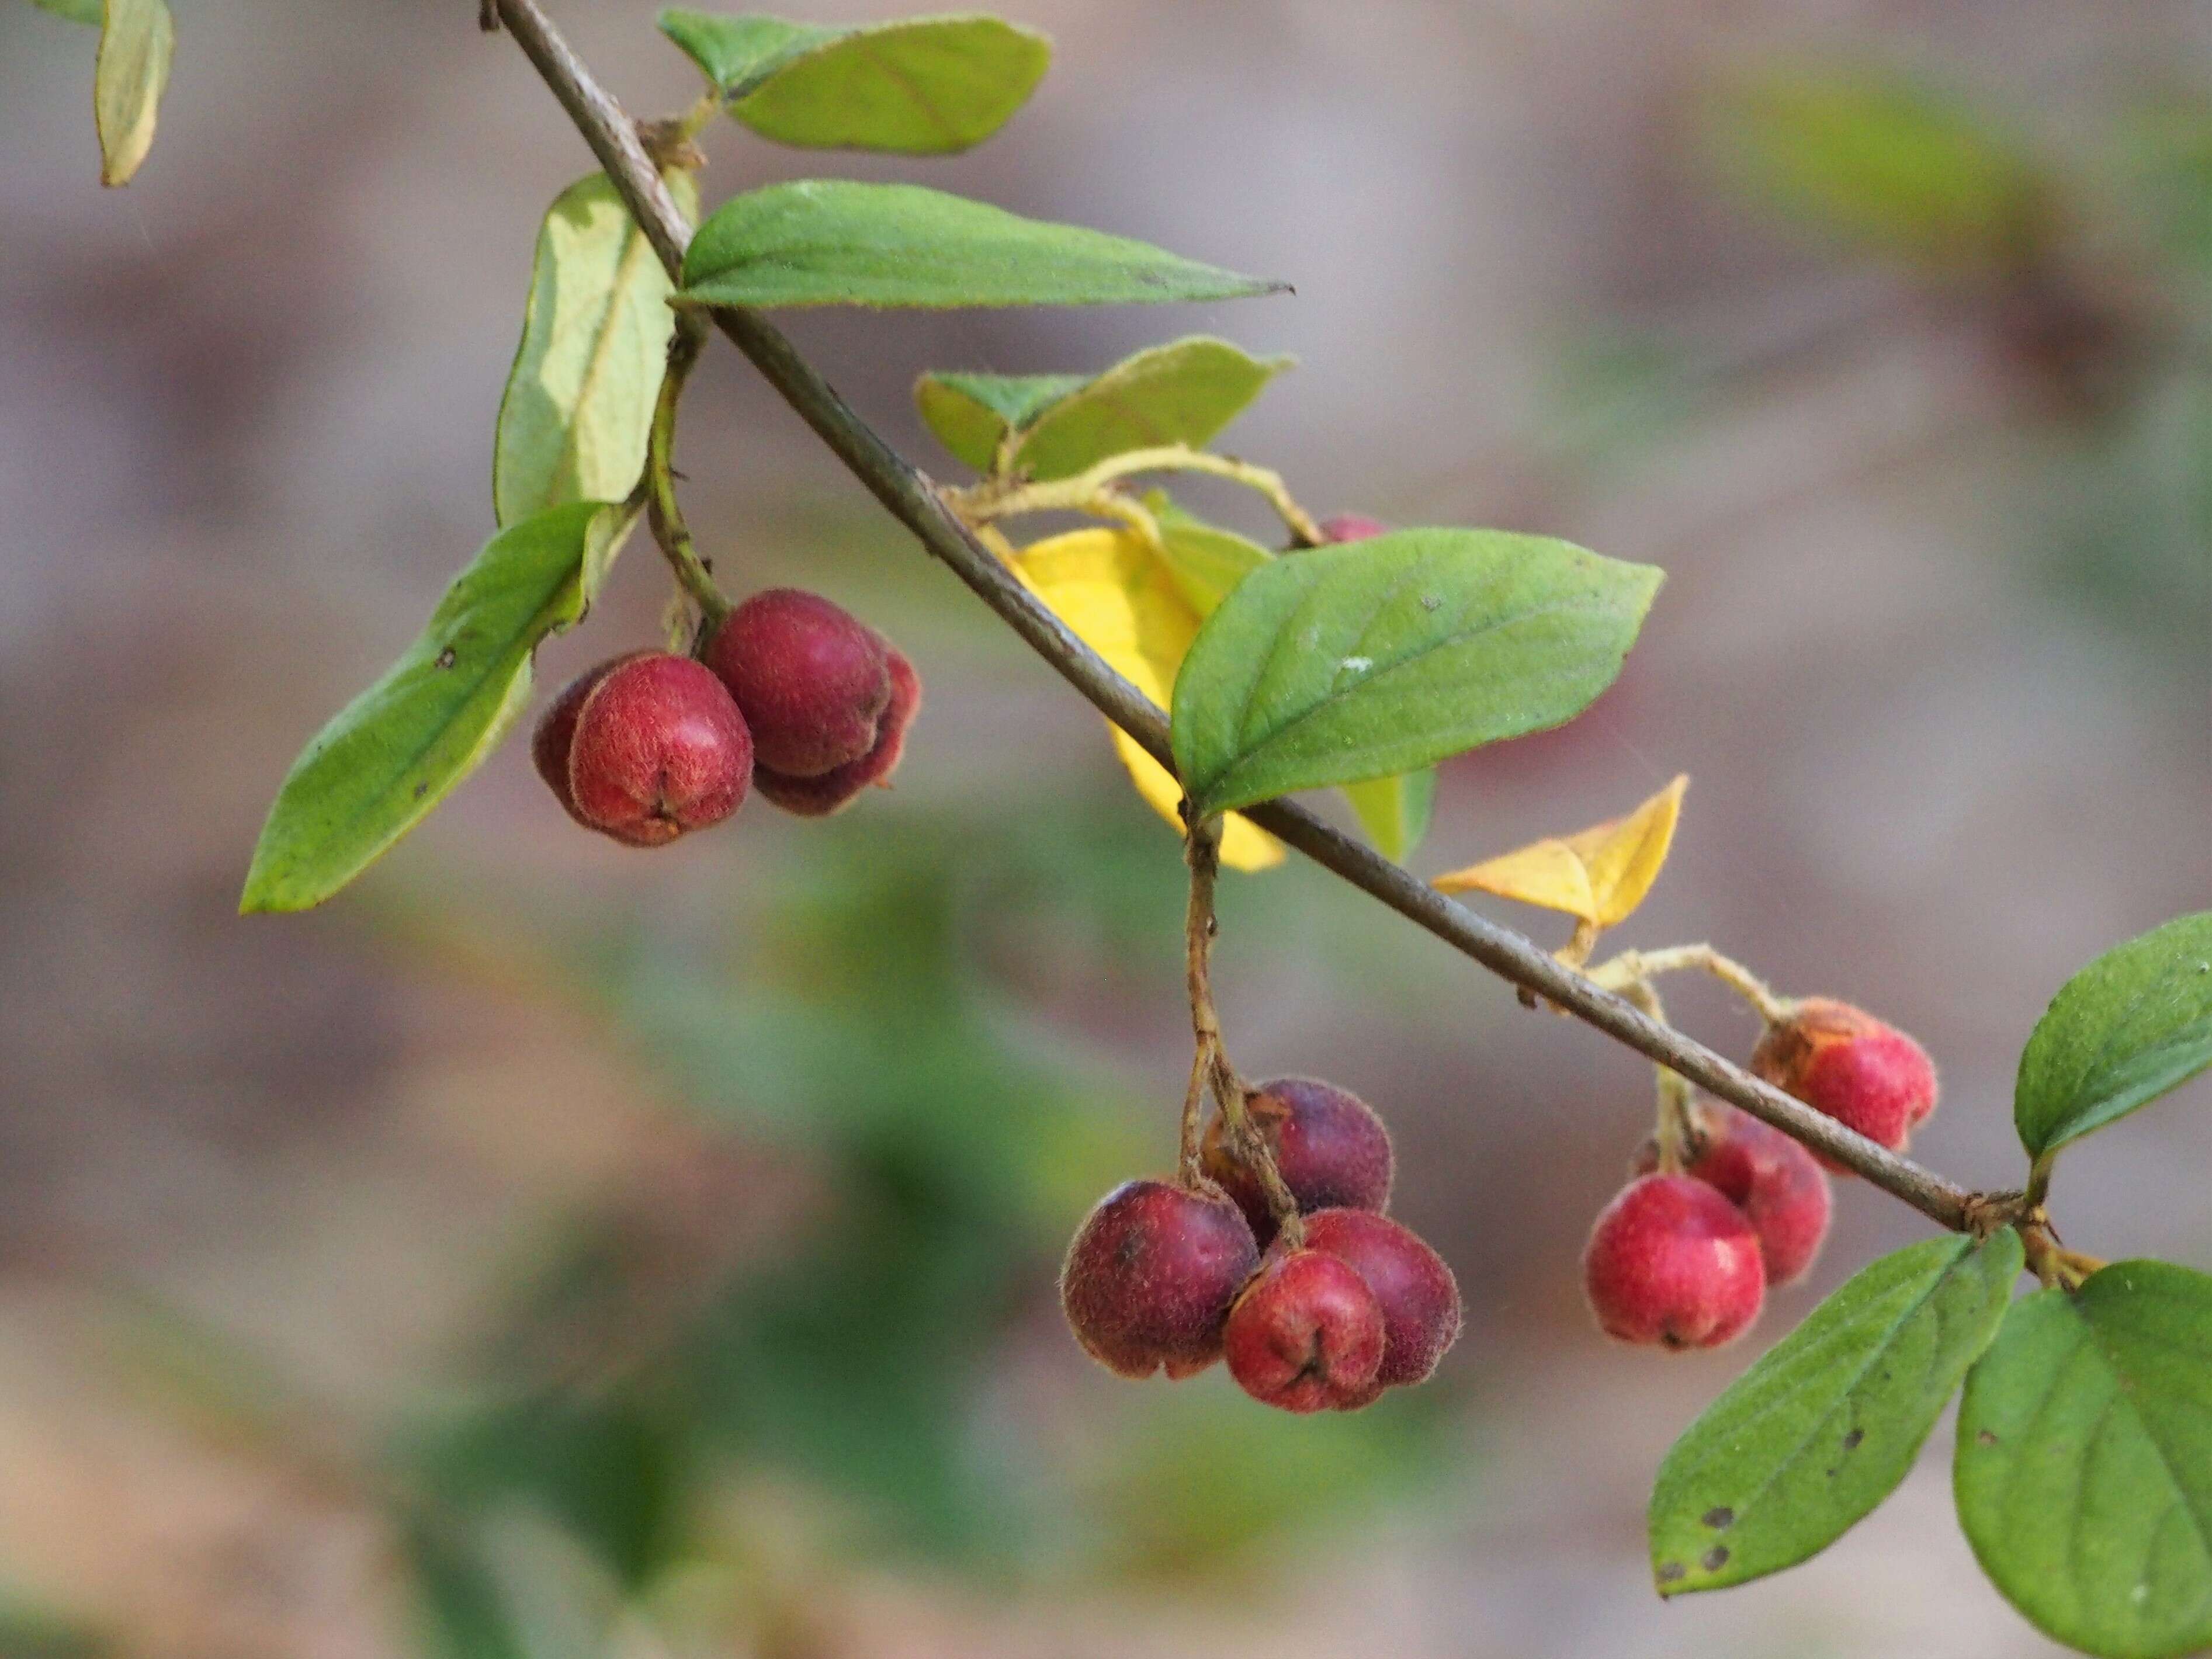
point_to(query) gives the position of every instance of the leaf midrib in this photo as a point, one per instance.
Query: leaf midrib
(1888, 1341)
(1247, 751)
(534, 628)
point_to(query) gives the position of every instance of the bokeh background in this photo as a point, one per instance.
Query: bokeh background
(551, 1250)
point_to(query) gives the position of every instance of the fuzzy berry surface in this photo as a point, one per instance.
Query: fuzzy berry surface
(1150, 1274)
(812, 679)
(840, 786)
(658, 749)
(557, 733)
(1778, 1185)
(1307, 1335)
(1329, 1147)
(1671, 1263)
(1412, 1284)
(1861, 1071)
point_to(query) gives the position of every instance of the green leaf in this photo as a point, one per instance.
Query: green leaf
(971, 413)
(1184, 392)
(1356, 661)
(1871, 156)
(1395, 810)
(737, 53)
(2134, 1023)
(2084, 1467)
(922, 86)
(1816, 1434)
(1204, 561)
(137, 39)
(77, 11)
(836, 242)
(394, 752)
(595, 331)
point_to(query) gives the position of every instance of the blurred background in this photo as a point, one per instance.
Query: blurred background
(549, 1250)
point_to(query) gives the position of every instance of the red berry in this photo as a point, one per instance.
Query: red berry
(835, 789)
(1418, 1296)
(1329, 1147)
(1867, 1075)
(657, 748)
(1149, 1276)
(1306, 1335)
(1350, 527)
(556, 733)
(1776, 1182)
(1672, 1261)
(812, 679)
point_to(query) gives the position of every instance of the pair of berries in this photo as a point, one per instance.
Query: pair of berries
(1684, 1259)
(1162, 1277)
(796, 697)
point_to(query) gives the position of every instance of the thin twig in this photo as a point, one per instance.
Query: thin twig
(1004, 496)
(1629, 966)
(1202, 851)
(669, 528)
(1675, 1128)
(911, 499)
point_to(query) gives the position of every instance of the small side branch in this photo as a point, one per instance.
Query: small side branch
(669, 528)
(1004, 496)
(1210, 1065)
(1618, 973)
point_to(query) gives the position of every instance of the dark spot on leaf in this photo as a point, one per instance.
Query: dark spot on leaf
(1984, 1437)
(1853, 1439)
(1714, 1559)
(446, 658)
(1831, 1474)
(1670, 1571)
(1720, 1515)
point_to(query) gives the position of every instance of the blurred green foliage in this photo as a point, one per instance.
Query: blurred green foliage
(887, 1375)
(1878, 159)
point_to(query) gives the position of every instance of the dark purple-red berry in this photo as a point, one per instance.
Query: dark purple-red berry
(1415, 1289)
(1329, 1147)
(1150, 1274)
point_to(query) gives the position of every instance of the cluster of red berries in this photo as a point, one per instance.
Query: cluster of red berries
(795, 696)
(1684, 1259)
(1168, 1277)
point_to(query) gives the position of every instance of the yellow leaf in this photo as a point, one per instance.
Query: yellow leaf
(1106, 585)
(1598, 875)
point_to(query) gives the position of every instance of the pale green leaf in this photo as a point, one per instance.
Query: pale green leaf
(1363, 659)
(2134, 1023)
(395, 751)
(826, 242)
(77, 11)
(1814, 1436)
(137, 39)
(2084, 1467)
(1182, 393)
(737, 53)
(1395, 810)
(1871, 156)
(921, 86)
(971, 414)
(1204, 561)
(595, 332)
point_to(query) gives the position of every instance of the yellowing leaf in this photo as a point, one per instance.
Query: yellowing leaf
(1106, 585)
(137, 39)
(1598, 875)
